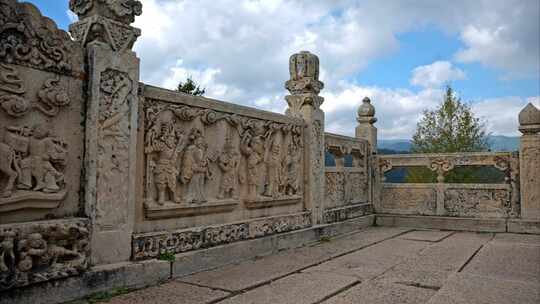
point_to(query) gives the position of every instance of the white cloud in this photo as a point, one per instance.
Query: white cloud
(239, 49)
(436, 74)
(501, 114)
(397, 110)
(72, 16)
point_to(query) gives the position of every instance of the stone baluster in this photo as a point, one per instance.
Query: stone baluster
(304, 102)
(529, 162)
(111, 123)
(366, 130)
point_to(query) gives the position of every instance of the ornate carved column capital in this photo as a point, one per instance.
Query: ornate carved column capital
(107, 21)
(304, 84)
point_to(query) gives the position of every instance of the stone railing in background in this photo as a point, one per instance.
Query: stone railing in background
(498, 200)
(347, 186)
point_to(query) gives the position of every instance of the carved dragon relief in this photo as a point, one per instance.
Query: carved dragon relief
(258, 161)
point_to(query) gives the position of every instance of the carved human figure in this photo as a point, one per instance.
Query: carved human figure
(253, 148)
(291, 170)
(43, 150)
(31, 249)
(195, 168)
(7, 256)
(228, 164)
(166, 143)
(274, 170)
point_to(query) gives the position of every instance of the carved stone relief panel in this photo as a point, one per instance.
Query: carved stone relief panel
(113, 147)
(422, 201)
(151, 245)
(200, 158)
(42, 251)
(345, 186)
(334, 189)
(477, 202)
(41, 135)
(29, 39)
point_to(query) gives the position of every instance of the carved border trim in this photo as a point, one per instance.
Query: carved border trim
(155, 212)
(152, 245)
(340, 214)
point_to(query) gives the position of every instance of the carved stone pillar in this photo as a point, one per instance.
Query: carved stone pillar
(305, 102)
(529, 162)
(111, 122)
(365, 129)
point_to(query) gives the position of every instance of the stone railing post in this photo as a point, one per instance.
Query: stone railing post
(529, 162)
(366, 130)
(111, 122)
(304, 101)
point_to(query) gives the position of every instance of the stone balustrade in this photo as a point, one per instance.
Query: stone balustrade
(99, 171)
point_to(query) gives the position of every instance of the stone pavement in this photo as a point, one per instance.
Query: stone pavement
(376, 265)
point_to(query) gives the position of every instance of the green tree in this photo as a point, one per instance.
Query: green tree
(452, 127)
(190, 87)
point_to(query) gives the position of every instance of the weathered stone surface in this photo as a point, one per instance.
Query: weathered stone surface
(41, 108)
(443, 223)
(99, 279)
(252, 273)
(382, 292)
(426, 235)
(366, 120)
(508, 261)
(471, 200)
(468, 289)
(371, 261)
(37, 252)
(513, 238)
(302, 288)
(304, 102)
(524, 226)
(172, 292)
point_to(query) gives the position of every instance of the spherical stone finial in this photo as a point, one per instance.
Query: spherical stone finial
(529, 119)
(366, 112)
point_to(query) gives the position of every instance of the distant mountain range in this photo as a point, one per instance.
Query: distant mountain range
(496, 142)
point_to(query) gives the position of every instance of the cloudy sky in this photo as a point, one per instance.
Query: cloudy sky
(400, 53)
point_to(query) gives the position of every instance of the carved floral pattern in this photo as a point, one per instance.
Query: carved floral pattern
(473, 202)
(33, 42)
(115, 103)
(151, 245)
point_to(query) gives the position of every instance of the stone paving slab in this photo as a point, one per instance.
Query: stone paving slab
(371, 261)
(375, 266)
(529, 239)
(172, 292)
(426, 235)
(300, 288)
(247, 274)
(472, 289)
(507, 260)
(382, 292)
(450, 254)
